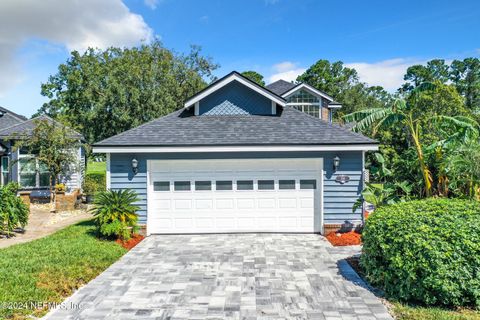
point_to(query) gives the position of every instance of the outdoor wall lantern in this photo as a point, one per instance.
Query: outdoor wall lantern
(336, 163)
(135, 165)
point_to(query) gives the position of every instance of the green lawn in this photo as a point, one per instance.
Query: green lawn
(96, 167)
(404, 312)
(49, 269)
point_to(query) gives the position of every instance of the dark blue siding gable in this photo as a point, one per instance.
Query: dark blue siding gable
(235, 98)
(338, 198)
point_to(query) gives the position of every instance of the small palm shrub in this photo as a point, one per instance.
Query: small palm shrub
(115, 213)
(13, 212)
(425, 251)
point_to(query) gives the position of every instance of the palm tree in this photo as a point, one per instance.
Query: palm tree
(405, 114)
(399, 112)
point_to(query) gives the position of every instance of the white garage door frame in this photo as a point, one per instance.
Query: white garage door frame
(294, 168)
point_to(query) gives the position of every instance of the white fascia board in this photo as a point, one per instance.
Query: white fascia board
(335, 106)
(190, 149)
(308, 88)
(226, 81)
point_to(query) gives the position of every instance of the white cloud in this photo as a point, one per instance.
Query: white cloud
(73, 24)
(286, 70)
(386, 73)
(152, 4)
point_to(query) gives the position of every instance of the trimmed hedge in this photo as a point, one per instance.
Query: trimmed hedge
(425, 251)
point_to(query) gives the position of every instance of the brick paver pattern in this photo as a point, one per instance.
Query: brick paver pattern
(228, 276)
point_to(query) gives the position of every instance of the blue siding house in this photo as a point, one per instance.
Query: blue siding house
(239, 157)
(24, 168)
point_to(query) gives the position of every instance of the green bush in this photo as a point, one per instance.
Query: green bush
(13, 212)
(115, 213)
(425, 251)
(94, 182)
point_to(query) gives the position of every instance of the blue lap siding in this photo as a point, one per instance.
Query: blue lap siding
(338, 198)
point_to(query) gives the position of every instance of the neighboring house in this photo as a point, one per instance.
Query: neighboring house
(18, 166)
(240, 157)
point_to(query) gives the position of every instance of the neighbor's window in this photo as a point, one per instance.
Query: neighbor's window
(308, 184)
(28, 172)
(223, 185)
(181, 185)
(4, 172)
(245, 185)
(286, 184)
(161, 186)
(203, 185)
(266, 184)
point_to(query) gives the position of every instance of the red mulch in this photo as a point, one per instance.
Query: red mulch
(351, 238)
(129, 244)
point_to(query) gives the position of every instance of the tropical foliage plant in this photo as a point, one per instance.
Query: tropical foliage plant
(13, 212)
(115, 213)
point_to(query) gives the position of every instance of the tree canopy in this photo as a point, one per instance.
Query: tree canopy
(342, 83)
(103, 93)
(254, 76)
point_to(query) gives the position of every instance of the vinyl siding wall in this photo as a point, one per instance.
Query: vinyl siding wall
(338, 198)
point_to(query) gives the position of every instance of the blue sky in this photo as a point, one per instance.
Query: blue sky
(278, 38)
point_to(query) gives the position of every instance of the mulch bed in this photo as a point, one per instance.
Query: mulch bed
(129, 244)
(351, 238)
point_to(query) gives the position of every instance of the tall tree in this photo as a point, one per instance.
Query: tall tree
(465, 75)
(103, 93)
(434, 70)
(254, 76)
(343, 84)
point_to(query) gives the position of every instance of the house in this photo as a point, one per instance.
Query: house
(19, 166)
(239, 157)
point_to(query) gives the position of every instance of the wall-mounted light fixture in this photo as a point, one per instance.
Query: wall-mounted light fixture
(336, 163)
(135, 166)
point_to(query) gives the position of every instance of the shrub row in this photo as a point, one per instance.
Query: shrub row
(425, 251)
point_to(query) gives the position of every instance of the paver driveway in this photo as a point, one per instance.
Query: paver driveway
(236, 276)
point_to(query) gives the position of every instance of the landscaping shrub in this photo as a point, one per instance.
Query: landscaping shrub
(425, 251)
(115, 213)
(13, 212)
(94, 182)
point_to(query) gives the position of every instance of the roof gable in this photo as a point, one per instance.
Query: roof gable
(308, 88)
(234, 76)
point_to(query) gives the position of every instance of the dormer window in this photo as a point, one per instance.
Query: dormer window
(305, 102)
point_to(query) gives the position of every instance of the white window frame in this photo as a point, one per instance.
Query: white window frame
(37, 171)
(4, 170)
(303, 104)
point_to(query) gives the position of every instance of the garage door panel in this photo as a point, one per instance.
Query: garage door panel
(264, 208)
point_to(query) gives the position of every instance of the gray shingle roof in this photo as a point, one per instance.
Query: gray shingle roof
(280, 87)
(9, 118)
(289, 127)
(25, 128)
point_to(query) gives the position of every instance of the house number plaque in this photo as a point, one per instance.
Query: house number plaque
(342, 179)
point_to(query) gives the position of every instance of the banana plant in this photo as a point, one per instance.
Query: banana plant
(381, 194)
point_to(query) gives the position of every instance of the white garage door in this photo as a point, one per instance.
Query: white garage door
(209, 196)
